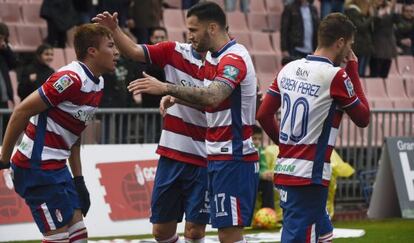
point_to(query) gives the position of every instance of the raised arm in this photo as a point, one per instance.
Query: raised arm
(126, 46)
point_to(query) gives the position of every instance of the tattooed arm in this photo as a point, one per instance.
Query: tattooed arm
(210, 96)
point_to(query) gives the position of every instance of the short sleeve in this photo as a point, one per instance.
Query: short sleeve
(59, 87)
(159, 54)
(274, 89)
(342, 90)
(231, 70)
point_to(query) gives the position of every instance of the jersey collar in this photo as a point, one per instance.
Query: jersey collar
(318, 59)
(223, 49)
(89, 73)
(195, 54)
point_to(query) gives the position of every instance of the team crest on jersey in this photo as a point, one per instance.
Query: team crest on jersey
(62, 83)
(349, 87)
(230, 72)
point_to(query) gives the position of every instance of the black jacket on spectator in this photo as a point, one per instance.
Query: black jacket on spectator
(8, 61)
(27, 86)
(404, 29)
(292, 32)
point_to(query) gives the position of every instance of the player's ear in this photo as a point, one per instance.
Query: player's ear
(340, 43)
(92, 51)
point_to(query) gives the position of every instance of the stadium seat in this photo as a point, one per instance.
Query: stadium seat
(10, 12)
(265, 80)
(43, 31)
(382, 104)
(176, 35)
(257, 6)
(237, 21)
(173, 19)
(58, 59)
(13, 38)
(274, 20)
(375, 88)
(258, 22)
(70, 55)
(29, 37)
(173, 3)
(403, 103)
(31, 14)
(242, 38)
(393, 69)
(395, 87)
(274, 6)
(409, 84)
(406, 65)
(275, 37)
(261, 43)
(267, 64)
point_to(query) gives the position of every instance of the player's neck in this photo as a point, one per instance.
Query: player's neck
(94, 70)
(220, 43)
(324, 52)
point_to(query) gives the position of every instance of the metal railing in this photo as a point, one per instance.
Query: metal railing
(360, 147)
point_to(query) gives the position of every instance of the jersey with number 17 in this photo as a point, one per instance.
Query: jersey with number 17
(313, 94)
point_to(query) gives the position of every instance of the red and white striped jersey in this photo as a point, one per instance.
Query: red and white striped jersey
(73, 95)
(184, 131)
(229, 133)
(313, 95)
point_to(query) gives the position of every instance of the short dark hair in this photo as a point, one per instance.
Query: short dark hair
(333, 27)
(152, 30)
(257, 130)
(43, 47)
(89, 35)
(4, 30)
(208, 11)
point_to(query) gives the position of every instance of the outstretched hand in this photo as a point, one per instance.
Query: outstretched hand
(107, 19)
(148, 84)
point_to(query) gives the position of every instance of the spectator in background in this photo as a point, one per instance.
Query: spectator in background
(144, 15)
(359, 13)
(8, 61)
(37, 72)
(331, 6)
(404, 30)
(158, 34)
(60, 16)
(383, 38)
(299, 27)
(230, 5)
(186, 4)
(265, 188)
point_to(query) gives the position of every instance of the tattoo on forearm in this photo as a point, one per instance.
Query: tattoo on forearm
(215, 93)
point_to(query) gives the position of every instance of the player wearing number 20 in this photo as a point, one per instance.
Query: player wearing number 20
(313, 93)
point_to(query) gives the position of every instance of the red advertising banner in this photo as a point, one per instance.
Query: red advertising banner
(128, 187)
(12, 207)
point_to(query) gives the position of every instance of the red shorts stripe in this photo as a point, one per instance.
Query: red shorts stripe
(254, 157)
(288, 180)
(181, 156)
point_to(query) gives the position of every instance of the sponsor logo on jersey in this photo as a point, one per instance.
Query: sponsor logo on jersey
(62, 83)
(285, 168)
(349, 87)
(230, 72)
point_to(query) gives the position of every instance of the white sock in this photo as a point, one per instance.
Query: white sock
(188, 240)
(57, 238)
(78, 233)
